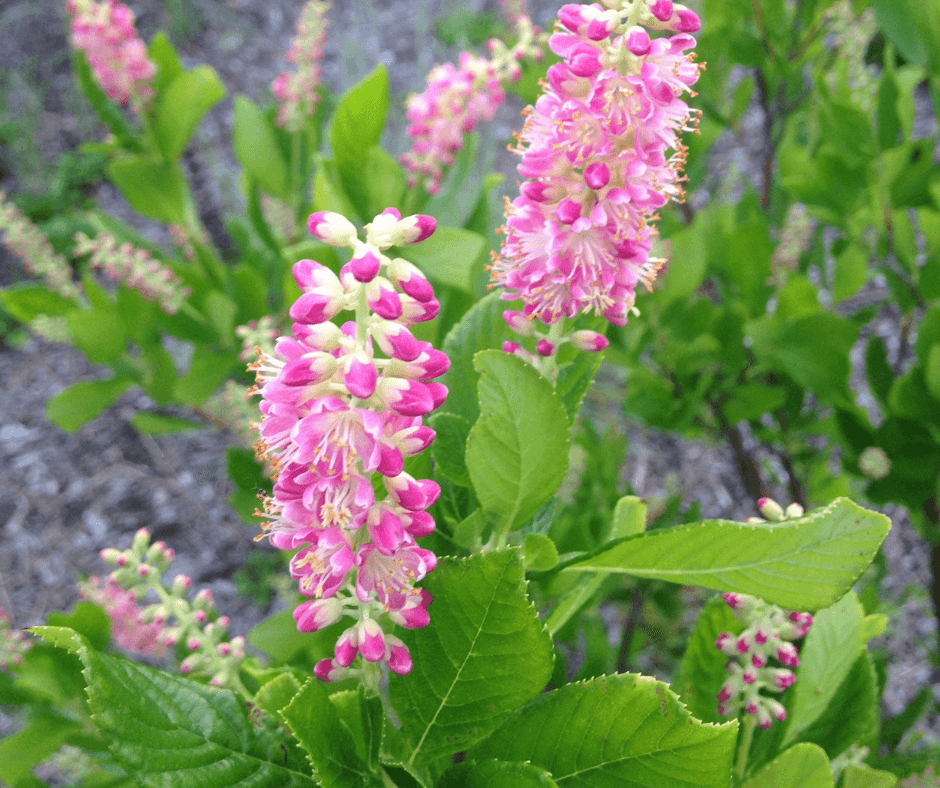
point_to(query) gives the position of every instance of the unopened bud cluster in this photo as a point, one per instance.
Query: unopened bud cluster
(458, 97)
(13, 643)
(768, 630)
(341, 405)
(135, 268)
(30, 244)
(539, 343)
(194, 624)
(257, 336)
(105, 32)
(297, 90)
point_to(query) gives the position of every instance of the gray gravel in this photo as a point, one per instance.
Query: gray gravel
(64, 497)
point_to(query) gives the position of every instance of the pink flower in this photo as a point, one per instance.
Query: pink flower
(127, 627)
(104, 31)
(596, 150)
(340, 404)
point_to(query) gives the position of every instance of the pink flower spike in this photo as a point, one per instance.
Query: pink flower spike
(331, 228)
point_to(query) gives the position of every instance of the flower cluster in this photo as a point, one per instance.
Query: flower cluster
(767, 634)
(513, 11)
(595, 152)
(457, 98)
(135, 268)
(13, 643)
(29, 243)
(335, 413)
(297, 90)
(104, 31)
(173, 619)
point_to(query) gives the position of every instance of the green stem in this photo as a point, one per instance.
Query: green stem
(750, 722)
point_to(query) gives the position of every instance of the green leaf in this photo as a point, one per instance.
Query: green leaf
(385, 180)
(182, 104)
(357, 126)
(99, 334)
(168, 731)
(932, 371)
(702, 670)
(328, 194)
(482, 657)
(813, 350)
(27, 748)
(313, 719)
(615, 730)
(361, 711)
(540, 553)
(482, 328)
(752, 400)
(687, 263)
(80, 403)
(517, 452)
(256, 148)
(801, 564)
(26, 302)
(862, 776)
(278, 637)
(153, 188)
(851, 715)
(629, 517)
(893, 729)
(207, 371)
(802, 766)
(495, 774)
(148, 423)
(450, 446)
(243, 469)
(449, 257)
(877, 369)
(169, 66)
(88, 620)
(833, 644)
(914, 28)
(277, 693)
(851, 272)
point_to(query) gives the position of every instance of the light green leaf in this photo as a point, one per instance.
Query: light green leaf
(207, 370)
(152, 187)
(357, 126)
(702, 670)
(752, 400)
(862, 776)
(629, 517)
(625, 730)
(159, 424)
(449, 257)
(539, 552)
(932, 371)
(182, 104)
(98, 333)
(277, 693)
(82, 402)
(256, 148)
(25, 749)
(833, 644)
(169, 732)
(517, 452)
(801, 564)
(315, 722)
(802, 766)
(852, 713)
(385, 180)
(687, 263)
(26, 302)
(495, 774)
(482, 657)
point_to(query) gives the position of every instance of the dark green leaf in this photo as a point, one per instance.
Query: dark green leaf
(450, 257)
(159, 424)
(495, 774)
(450, 446)
(256, 148)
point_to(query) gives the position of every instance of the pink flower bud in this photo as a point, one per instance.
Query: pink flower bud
(638, 41)
(544, 348)
(662, 10)
(365, 266)
(399, 660)
(589, 341)
(331, 228)
(360, 376)
(568, 211)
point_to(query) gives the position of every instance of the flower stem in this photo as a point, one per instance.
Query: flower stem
(750, 721)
